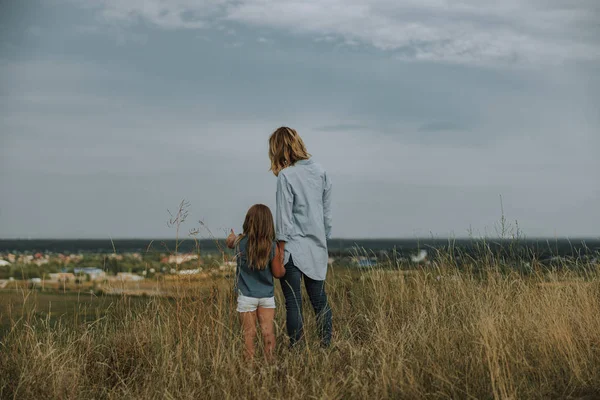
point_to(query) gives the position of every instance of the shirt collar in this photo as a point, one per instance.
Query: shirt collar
(304, 162)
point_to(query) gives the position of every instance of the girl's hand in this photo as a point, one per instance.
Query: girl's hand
(230, 241)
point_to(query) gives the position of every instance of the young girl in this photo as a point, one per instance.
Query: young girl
(258, 260)
(303, 226)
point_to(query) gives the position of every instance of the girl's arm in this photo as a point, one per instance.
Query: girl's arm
(231, 239)
(277, 267)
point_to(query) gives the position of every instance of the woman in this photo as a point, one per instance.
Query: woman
(303, 225)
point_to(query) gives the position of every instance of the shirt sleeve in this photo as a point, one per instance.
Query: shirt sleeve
(283, 214)
(327, 219)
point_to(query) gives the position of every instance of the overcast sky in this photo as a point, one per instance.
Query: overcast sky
(423, 112)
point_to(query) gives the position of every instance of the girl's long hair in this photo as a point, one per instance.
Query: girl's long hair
(285, 148)
(260, 232)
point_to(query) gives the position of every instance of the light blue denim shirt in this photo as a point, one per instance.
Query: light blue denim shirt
(303, 216)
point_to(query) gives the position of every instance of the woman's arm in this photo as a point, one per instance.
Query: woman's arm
(327, 207)
(277, 267)
(283, 223)
(284, 198)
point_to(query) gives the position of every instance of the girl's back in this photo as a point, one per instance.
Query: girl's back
(253, 282)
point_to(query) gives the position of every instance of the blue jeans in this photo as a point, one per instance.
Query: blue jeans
(291, 287)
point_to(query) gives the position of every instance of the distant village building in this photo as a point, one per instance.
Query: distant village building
(179, 258)
(61, 277)
(128, 277)
(190, 271)
(26, 259)
(35, 281)
(94, 274)
(69, 258)
(4, 263)
(365, 261)
(40, 261)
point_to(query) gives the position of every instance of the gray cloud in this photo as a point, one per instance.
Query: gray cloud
(100, 138)
(515, 32)
(342, 127)
(442, 126)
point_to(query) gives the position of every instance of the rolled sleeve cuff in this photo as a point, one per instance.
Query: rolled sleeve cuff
(282, 237)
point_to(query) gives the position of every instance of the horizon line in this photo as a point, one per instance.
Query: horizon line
(329, 240)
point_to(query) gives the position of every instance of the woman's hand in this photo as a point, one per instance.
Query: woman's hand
(277, 267)
(230, 241)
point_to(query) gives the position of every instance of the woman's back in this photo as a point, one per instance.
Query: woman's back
(303, 217)
(303, 223)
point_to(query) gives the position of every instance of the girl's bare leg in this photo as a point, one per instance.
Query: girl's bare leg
(267, 328)
(249, 327)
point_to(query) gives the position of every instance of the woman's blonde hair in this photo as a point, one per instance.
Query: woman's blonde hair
(260, 232)
(285, 148)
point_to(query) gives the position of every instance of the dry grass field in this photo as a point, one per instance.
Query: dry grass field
(435, 332)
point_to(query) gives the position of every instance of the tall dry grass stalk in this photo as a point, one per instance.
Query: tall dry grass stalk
(438, 332)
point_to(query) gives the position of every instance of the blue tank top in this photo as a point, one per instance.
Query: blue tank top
(253, 282)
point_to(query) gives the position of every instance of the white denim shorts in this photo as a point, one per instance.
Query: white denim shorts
(250, 304)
